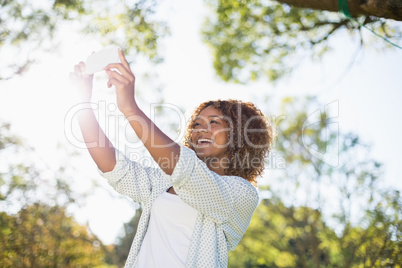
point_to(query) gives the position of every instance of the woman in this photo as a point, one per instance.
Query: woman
(198, 203)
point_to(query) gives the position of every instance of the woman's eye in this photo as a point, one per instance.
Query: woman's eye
(214, 122)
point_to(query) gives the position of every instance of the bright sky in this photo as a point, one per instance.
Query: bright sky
(369, 96)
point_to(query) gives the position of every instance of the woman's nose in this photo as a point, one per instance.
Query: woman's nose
(201, 130)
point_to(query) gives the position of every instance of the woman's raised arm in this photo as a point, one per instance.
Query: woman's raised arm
(99, 146)
(163, 150)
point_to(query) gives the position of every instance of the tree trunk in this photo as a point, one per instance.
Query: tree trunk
(388, 9)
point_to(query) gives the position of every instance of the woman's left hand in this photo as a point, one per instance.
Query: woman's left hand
(121, 76)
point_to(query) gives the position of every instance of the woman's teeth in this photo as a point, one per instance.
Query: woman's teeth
(204, 141)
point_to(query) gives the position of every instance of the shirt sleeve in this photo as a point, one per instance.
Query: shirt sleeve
(228, 200)
(130, 178)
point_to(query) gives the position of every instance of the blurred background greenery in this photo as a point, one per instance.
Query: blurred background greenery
(325, 200)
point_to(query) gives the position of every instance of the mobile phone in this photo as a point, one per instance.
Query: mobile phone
(99, 60)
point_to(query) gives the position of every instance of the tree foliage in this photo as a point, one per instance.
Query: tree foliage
(36, 229)
(122, 247)
(28, 27)
(44, 236)
(253, 39)
(281, 236)
(322, 213)
(249, 39)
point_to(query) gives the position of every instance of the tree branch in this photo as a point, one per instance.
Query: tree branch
(388, 9)
(335, 27)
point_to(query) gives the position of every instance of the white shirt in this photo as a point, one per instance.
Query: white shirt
(168, 237)
(225, 204)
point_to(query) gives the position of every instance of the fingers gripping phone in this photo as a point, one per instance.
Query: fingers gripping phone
(99, 60)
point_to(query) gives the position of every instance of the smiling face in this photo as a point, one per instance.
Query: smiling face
(241, 137)
(209, 137)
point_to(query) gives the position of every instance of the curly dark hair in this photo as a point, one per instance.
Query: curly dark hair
(250, 134)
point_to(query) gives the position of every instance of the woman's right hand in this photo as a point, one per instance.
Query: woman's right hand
(82, 81)
(123, 79)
